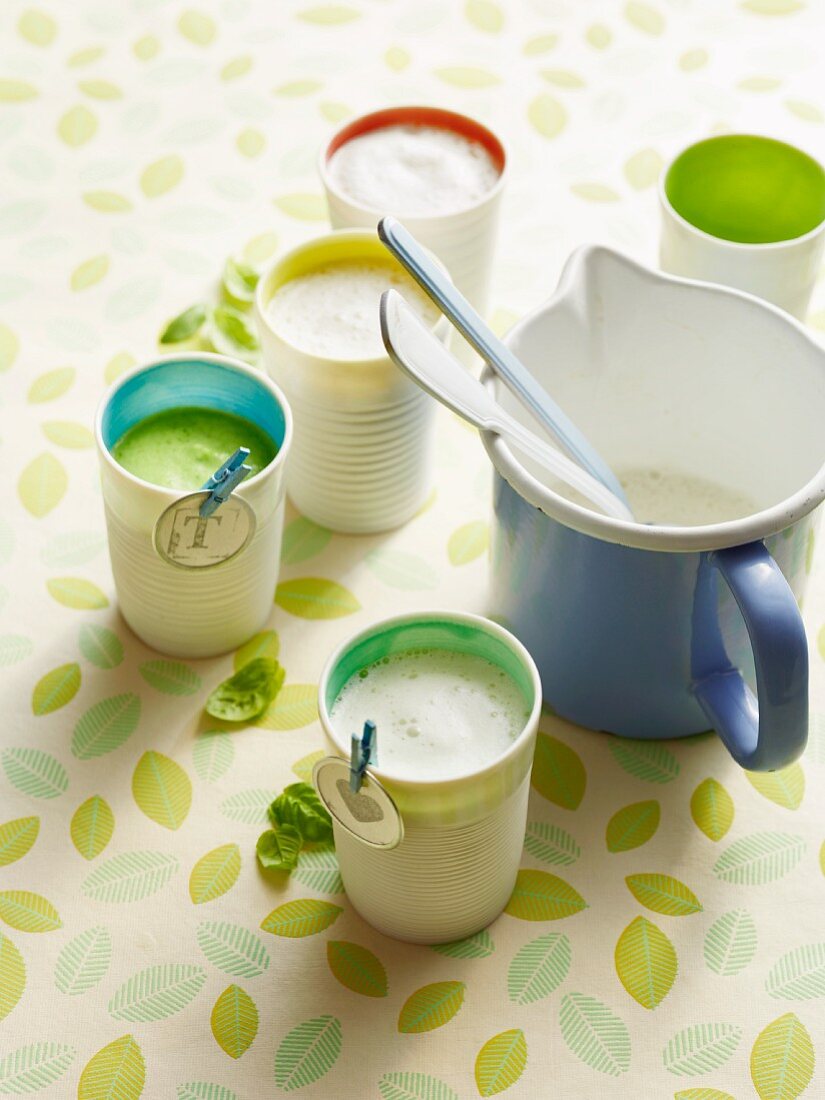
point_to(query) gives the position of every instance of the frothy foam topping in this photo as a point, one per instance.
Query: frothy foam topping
(439, 714)
(413, 171)
(332, 312)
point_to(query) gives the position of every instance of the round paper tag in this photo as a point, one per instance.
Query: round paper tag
(185, 538)
(370, 815)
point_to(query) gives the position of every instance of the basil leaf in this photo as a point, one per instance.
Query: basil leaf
(238, 282)
(248, 692)
(300, 806)
(277, 849)
(185, 325)
(231, 327)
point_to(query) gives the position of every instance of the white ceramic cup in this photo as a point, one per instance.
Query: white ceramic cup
(464, 240)
(358, 422)
(192, 610)
(454, 870)
(783, 272)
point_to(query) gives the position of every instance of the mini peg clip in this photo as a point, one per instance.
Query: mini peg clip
(226, 478)
(364, 751)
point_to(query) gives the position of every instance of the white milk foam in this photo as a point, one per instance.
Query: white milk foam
(438, 714)
(681, 500)
(332, 311)
(413, 171)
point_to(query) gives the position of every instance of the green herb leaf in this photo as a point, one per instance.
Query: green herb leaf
(248, 692)
(185, 325)
(298, 805)
(278, 849)
(239, 282)
(232, 328)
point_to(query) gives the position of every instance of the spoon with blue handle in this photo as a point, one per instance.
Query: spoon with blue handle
(424, 358)
(512, 372)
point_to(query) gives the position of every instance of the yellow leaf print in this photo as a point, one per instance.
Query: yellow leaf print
(466, 76)
(785, 787)
(162, 789)
(65, 433)
(161, 176)
(547, 115)
(107, 202)
(500, 1062)
(599, 36)
(77, 126)
(642, 169)
(594, 192)
(16, 91)
(215, 873)
(644, 17)
(396, 59)
(711, 808)
(238, 67)
(77, 593)
(782, 1059)
(431, 1006)
(146, 48)
(37, 27)
(542, 43)
(89, 272)
(198, 27)
(9, 347)
(41, 485)
(692, 60)
(234, 1021)
(116, 1072)
(646, 962)
(303, 207)
(328, 15)
(485, 15)
(100, 89)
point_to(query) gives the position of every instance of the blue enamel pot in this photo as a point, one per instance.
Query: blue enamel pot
(665, 630)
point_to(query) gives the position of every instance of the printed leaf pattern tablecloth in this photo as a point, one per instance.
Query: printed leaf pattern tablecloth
(667, 935)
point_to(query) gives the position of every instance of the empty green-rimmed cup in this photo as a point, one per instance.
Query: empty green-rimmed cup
(747, 211)
(454, 870)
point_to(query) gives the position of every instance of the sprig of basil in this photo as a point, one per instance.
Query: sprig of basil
(296, 812)
(185, 325)
(300, 806)
(248, 692)
(238, 283)
(277, 849)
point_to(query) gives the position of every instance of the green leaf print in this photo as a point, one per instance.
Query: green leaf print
(701, 1048)
(34, 772)
(595, 1034)
(307, 1052)
(431, 1006)
(248, 807)
(234, 1021)
(414, 1086)
(759, 858)
(357, 968)
(398, 569)
(157, 992)
(318, 869)
(478, 946)
(56, 689)
(303, 539)
(202, 1090)
(558, 773)
(105, 726)
(100, 646)
(116, 1072)
(83, 962)
(233, 949)
(798, 975)
(130, 876)
(500, 1062)
(538, 968)
(550, 843)
(213, 754)
(730, 943)
(171, 677)
(646, 760)
(33, 1067)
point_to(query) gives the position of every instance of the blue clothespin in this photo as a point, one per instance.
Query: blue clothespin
(363, 752)
(226, 478)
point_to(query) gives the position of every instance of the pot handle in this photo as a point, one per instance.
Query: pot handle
(769, 730)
